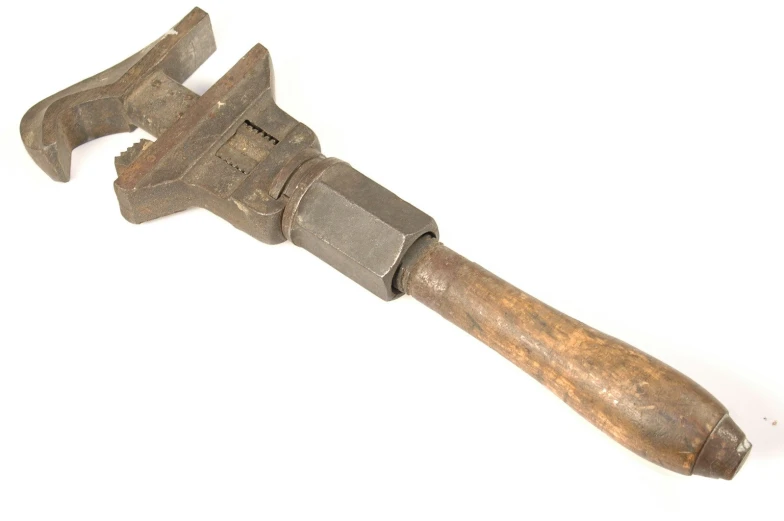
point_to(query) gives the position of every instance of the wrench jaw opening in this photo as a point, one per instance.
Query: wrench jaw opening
(90, 109)
(95, 107)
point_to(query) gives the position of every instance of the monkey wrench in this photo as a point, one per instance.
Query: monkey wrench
(234, 152)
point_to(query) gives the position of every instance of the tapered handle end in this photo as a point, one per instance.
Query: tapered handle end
(725, 451)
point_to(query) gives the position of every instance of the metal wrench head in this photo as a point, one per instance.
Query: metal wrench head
(232, 151)
(218, 151)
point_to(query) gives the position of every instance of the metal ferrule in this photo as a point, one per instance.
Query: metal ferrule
(352, 223)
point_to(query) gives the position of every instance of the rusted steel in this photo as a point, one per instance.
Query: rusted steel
(94, 107)
(234, 152)
(642, 403)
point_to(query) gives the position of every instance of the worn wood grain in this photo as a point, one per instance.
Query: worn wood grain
(642, 403)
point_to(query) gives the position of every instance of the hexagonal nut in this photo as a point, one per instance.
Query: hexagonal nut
(358, 227)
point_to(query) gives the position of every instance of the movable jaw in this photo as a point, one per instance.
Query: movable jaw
(223, 153)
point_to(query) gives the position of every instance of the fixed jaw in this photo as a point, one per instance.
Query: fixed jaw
(98, 106)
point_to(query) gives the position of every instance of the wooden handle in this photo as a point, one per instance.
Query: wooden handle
(642, 403)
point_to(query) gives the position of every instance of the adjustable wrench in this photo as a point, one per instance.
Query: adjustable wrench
(234, 152)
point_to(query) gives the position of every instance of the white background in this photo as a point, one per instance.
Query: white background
(621, 161)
